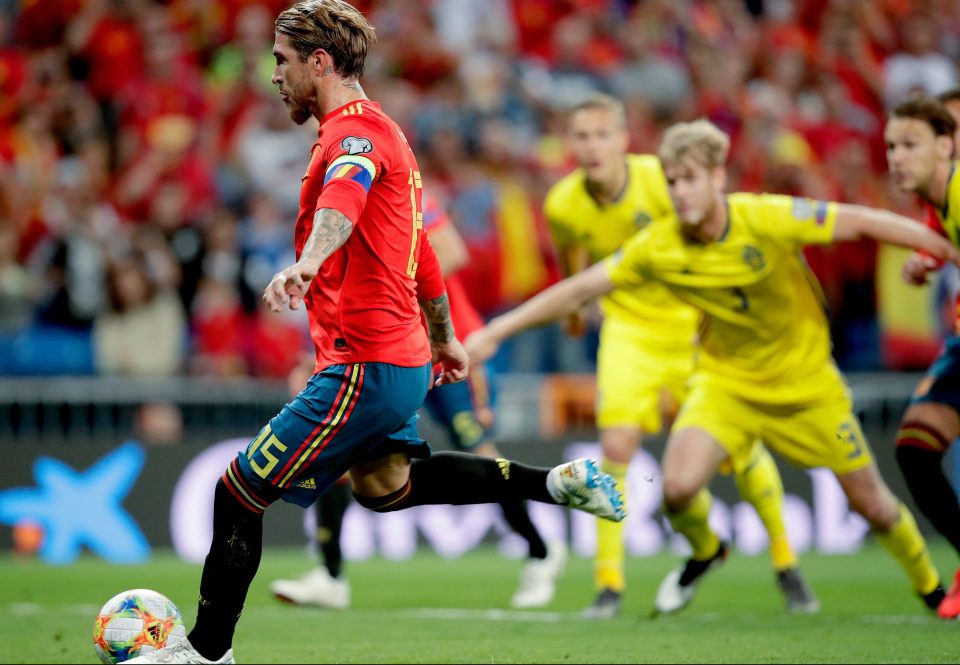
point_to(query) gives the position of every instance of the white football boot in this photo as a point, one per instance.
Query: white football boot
(181, 652)
(538, 578)
(316, 588)
(679, 586)
(581, 484)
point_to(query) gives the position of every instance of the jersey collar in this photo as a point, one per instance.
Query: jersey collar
(616, 199)
(726, 221)
(340, 109)
(945, 208)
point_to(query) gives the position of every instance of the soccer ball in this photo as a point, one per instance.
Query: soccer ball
(136, 622)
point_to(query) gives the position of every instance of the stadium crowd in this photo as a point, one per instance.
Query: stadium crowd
(149, 173)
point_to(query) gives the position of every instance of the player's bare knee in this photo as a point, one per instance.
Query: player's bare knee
(380, 477)
(382, 485)
(678, 493)
(876, 505)
(619, 444)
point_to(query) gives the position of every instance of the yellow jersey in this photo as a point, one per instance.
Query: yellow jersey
(576, 219)
(764, 333)
(949, 214)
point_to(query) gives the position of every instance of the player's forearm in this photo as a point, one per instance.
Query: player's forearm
(555, 302)
(854, 222)
(439, 323)
(331, 228)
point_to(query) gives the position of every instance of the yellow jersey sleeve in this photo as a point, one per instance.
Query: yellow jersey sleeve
(790, 220)
(627, 268)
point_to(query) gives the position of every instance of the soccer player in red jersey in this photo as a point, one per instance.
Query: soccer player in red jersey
(364, 273)
(463, 410)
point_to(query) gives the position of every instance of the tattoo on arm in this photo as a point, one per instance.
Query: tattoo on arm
(331, 228)
(437, 312)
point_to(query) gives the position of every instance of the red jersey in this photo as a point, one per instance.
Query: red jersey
(362, 305)
(466, 319)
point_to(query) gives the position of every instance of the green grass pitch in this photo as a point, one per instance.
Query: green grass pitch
(432, 610)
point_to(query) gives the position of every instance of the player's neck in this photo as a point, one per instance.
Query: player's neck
(714, 224)
(610, 190)
(336, 93)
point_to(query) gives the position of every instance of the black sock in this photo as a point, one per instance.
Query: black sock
(931, 490)
(227, 572)
(463, 478)
(517, 516)
(330, 509)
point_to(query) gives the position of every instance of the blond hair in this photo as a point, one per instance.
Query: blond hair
(699, 140)
(332, 25)
(603, 102)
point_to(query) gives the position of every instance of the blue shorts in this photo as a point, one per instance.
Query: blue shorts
(942, 382)
(346, 414)
(455, 406)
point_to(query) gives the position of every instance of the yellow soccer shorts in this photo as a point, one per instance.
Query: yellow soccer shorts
(822, 433)
(633, 369)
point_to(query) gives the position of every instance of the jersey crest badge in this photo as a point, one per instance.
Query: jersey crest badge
(753, 257)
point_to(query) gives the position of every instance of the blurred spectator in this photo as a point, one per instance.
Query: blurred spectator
(143, 332)
(918, 66)
(264, 238)
(275, 344)
(72, 260)
(218, 331)
(17, 297)
(652, 68)
(273, 154)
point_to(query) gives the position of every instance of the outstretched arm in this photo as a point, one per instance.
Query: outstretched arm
(855, 222)
(574, 259)
(562, 298)
(331, 228)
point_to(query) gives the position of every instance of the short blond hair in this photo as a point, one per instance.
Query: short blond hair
(700, 140)
(602, 102)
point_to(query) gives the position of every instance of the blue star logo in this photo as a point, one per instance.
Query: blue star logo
(79, 509)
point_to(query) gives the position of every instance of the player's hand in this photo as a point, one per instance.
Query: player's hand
(453, 360)
(916, 268)
(481, 346)
(575, 324)
(289, 286)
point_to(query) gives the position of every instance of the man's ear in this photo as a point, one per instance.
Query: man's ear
(720, 178)
(321, 62)
(945, 147)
